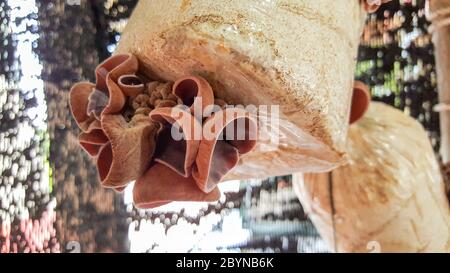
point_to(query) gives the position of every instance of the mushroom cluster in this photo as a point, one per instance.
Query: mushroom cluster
(174, 140)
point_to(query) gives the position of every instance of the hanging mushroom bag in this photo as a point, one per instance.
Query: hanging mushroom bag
(210, 91)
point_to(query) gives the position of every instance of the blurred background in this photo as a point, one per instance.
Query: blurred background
(50, 199)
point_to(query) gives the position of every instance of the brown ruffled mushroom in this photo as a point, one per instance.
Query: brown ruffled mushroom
(78, 101)
(161, 185)
(88, 101)
(123, 149)
(194, 92)
(189, 167)
(159, 139)
(226, 134)
(129, 151)
(131, 85)
(123, 65)
(177, 154)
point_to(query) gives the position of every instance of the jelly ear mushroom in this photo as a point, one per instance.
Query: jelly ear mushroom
(92, 142)
(103, 69)
(131, 85)
(161, 185)
(131, 144)
(360, 101)
(179, 155)
(192, 88)
(219, 153)
(78, 102)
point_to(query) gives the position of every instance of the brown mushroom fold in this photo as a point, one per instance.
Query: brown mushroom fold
(161, 185)
(88, 101)
(226, 134)
(92, 141)
(119, 65)
(360, 101)
(174, 153)
(129, 151)
(185, 145)
(194, 92)
(78, 101)
(178, 151)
